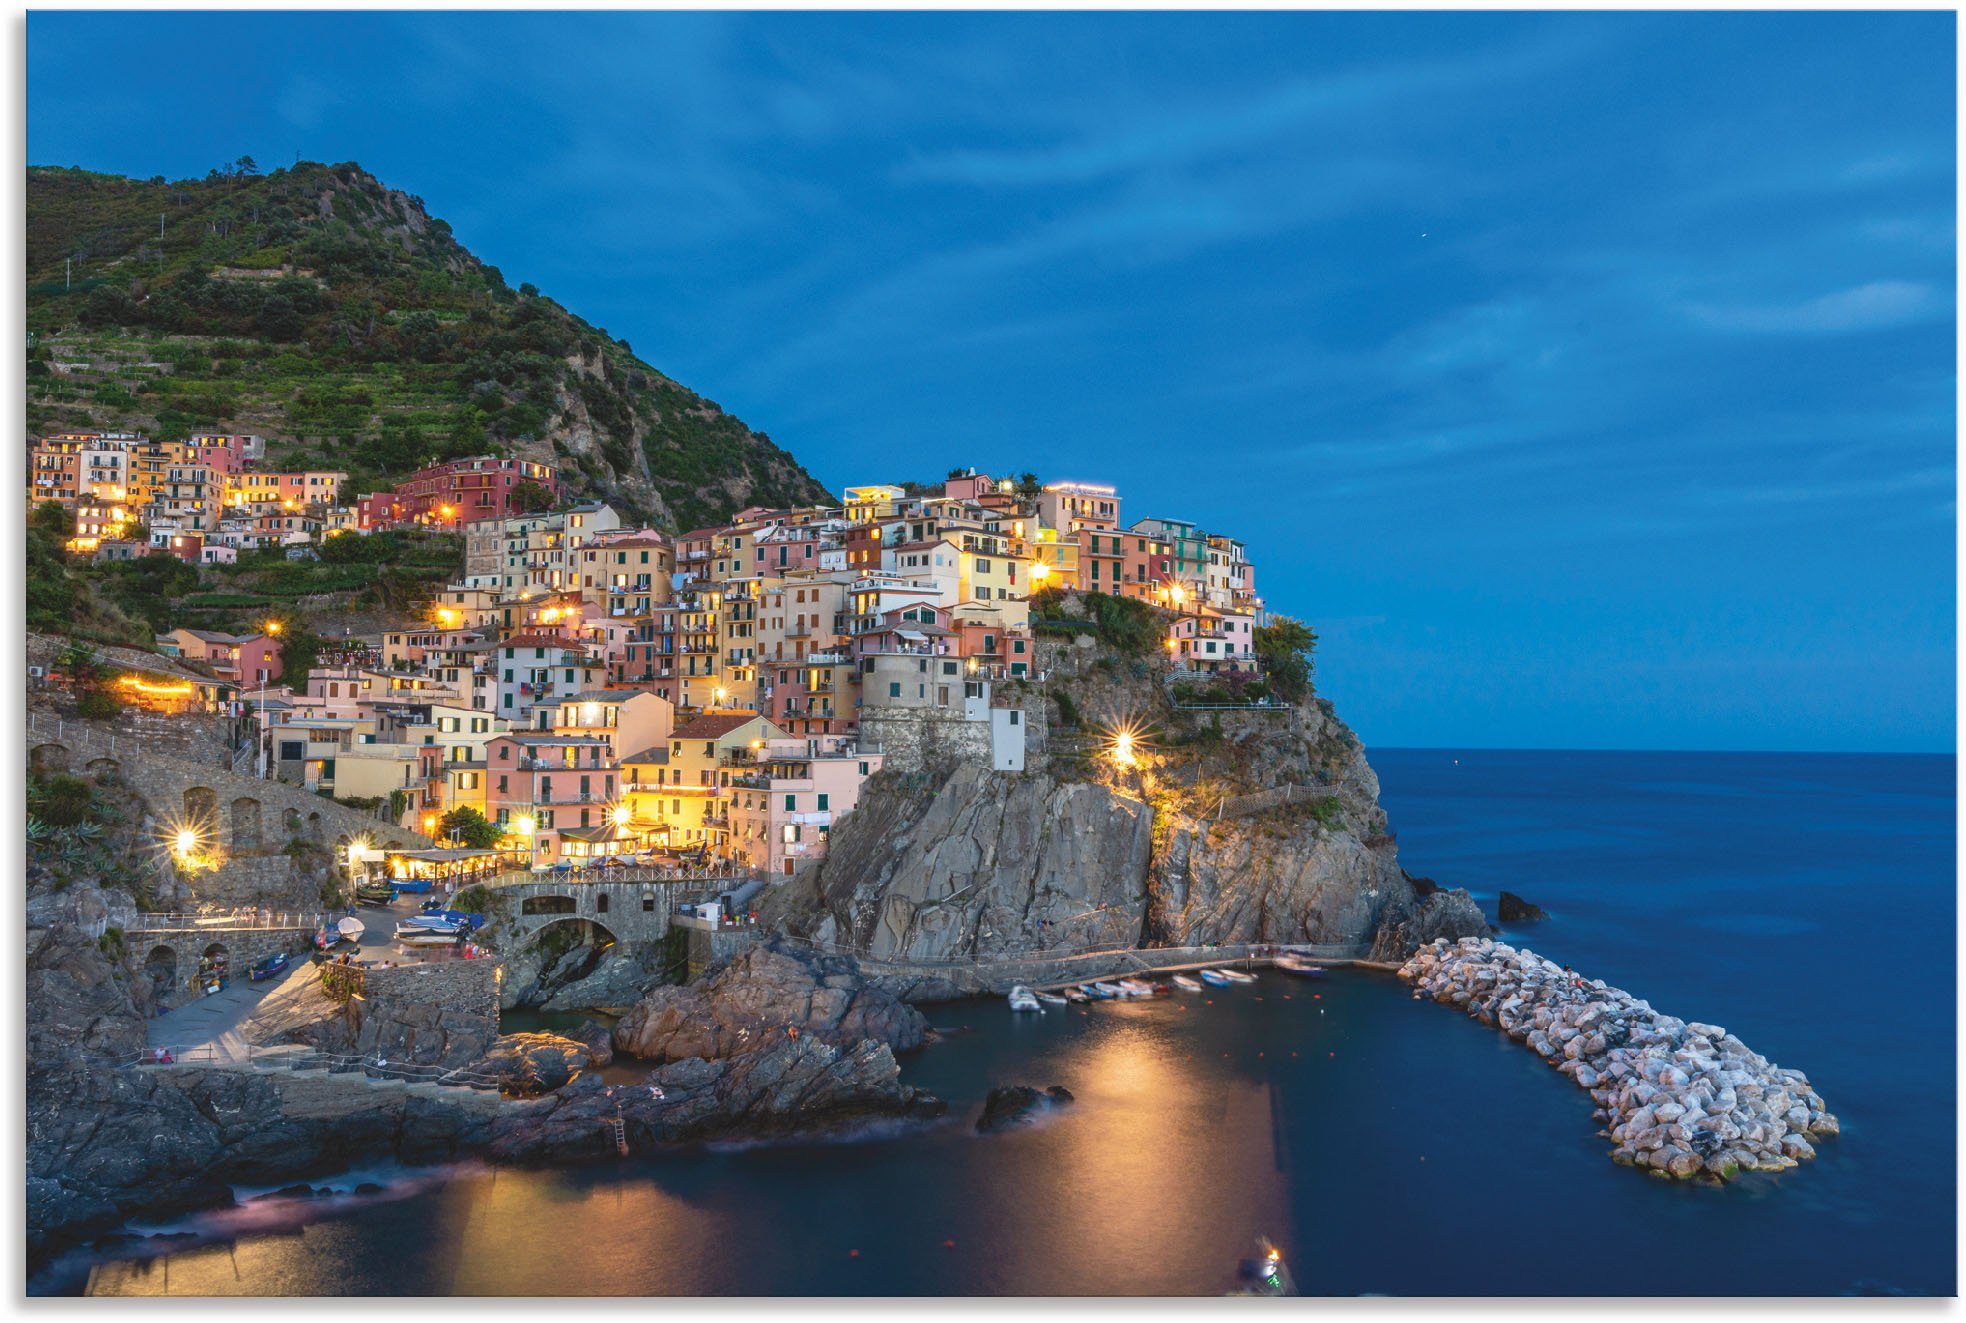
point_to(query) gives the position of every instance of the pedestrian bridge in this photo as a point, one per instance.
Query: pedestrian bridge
(633, 905)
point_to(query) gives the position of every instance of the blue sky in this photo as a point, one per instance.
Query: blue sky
(1587, 380)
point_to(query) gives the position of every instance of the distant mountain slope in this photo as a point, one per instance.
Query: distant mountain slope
(315, 304)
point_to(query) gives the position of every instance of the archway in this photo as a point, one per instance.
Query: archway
(48, 758)
(102, 768)
(200, 806)
(245, 823)
(547, 905)
(161, 966)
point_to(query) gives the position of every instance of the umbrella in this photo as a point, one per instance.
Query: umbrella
(350, 928)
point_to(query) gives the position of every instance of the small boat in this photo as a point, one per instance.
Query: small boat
(1076, 995)
(1135, 987)
(424, 937)
(1105, 991)
(1052, 999)
(1021, 999)
(1215, 978)
(1186, 984)
(1237, 976)
(1292, 963)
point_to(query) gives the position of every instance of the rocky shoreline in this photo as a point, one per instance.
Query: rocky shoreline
(1678, 1098)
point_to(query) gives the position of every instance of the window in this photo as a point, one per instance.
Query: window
(791, 803)
(894, 689)
(823, 802)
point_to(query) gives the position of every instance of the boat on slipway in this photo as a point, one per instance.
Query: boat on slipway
(1023, 999)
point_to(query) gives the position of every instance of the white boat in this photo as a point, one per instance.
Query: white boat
(429, 923)
(1186, 984)
(1107, 990)
(425, 938)
(1237, 976)
(1215, 978)
(1133, 987)
(1292, 963)
(1076, 995)
(1021, 999)
(1051, 999)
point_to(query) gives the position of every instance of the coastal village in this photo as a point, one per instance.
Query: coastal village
(590, 693)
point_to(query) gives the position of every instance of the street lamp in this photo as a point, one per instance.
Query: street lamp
(525, 826)
(272, 628)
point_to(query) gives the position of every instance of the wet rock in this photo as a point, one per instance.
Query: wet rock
(1511, 908)
(1010, 1105)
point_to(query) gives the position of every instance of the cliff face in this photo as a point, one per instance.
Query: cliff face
(1257, 826)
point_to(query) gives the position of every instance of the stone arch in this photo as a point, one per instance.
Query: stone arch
(290, 820)
(200, 806)
(245, 823)
(99, 768)
(590, 932)
(547, 905)
(314, 828)
(600, 902)
(161, 966)
(48, 757)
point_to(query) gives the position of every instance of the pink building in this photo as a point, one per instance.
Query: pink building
(550, 791)
(462, 491)
(247, 662)
(782, 811)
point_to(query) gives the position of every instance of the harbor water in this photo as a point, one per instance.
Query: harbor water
(1387, 1145)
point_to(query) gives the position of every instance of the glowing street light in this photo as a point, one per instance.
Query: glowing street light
(185, 843)
(622, 815)
(274, 627)
(1040, 572)
(1121, 748)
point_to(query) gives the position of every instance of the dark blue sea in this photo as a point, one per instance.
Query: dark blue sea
(1806, 902)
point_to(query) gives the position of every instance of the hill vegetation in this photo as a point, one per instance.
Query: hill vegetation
(335, 316)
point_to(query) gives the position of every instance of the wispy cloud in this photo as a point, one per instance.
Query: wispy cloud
(1876, 305)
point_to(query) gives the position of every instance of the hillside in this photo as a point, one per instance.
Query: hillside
(337, 317)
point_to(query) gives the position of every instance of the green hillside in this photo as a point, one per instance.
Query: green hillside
(335, 316)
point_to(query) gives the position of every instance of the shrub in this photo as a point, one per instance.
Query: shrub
(97, 705)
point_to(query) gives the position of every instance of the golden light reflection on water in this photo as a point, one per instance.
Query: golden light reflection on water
(1146, 1148)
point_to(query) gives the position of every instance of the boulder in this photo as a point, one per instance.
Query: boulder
(530, 1064)
(1011, 1105)
(770, 992)
(1511, 908)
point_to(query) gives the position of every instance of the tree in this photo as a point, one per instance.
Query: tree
(1028, 486)
(529, 497)
(1287, 649)
(473, 828)
(246, 165)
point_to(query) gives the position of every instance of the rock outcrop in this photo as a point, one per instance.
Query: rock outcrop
(1511, 908)
(758, 998)
(1678, 1098)
(1010, 1105)
(789, 1086)
(1237, 826)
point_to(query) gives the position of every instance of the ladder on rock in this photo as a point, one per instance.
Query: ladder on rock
(620, 1129)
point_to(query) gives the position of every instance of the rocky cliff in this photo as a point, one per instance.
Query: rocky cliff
(1225, 826)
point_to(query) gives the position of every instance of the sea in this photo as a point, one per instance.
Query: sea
(1384, 1145)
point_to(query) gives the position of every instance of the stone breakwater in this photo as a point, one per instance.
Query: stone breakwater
(1677, 1097)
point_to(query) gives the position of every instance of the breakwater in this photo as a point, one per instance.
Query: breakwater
(1679, 1098)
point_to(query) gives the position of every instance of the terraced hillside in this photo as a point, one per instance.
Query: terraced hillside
(324, 310)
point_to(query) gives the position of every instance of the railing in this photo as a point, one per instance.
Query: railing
(235, 921)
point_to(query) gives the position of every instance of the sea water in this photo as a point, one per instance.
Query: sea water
(1387, 1145)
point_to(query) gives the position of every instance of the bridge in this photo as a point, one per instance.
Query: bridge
(630, 904)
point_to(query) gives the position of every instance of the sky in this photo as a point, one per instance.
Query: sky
(1586, 380)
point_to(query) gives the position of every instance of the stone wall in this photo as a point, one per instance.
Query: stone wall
(914, 739)
(170, 959)
(466, 986)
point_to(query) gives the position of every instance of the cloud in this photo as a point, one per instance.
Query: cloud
(1183, 134)
(1875, 306)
